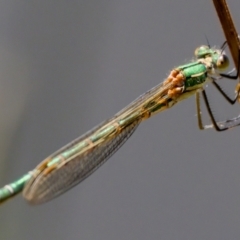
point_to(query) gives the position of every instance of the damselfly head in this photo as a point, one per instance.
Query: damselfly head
(216, 56)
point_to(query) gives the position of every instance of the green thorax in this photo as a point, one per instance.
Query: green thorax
(195, 74)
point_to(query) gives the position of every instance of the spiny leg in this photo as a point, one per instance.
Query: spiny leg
(217, 125)
(224, 94)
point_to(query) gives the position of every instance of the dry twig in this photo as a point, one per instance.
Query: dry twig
(228, 29)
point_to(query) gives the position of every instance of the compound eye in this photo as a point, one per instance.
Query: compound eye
(222, 62)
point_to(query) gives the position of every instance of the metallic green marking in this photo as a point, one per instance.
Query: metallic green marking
(103, 133)
(75, 149)
(129, 119)
(14, 188)
(203, 51)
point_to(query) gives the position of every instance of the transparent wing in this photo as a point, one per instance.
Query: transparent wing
(88, 152)
(46, 187)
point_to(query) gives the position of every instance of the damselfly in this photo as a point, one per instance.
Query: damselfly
(77, 160)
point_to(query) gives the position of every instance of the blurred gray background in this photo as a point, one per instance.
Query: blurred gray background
(65, 66)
